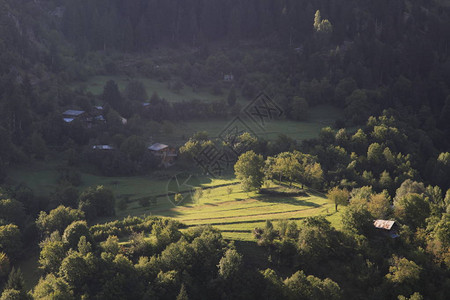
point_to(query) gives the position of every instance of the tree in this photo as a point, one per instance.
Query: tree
(135, 91)
(134, 147)
(230, 190)
(338, 197)
(230, 264)
(403, 272)
(286, 165)
(52, 254)
(97, 202)
(380, 206)
(52, 287)
(182, 295)
(111, 95)
(412, 209)
(10, 240)
(299, 108)
(415, 296)
(409, 187)
(12, 211)
(111, 245)
(74, 232)
(58, 219)
(75, 271)
(15, 281)
(38, 146)
(198, 194)
(357, 219)
(322, 26)
(178, 198)
(231, 99)
(248, 169)
(4, 266)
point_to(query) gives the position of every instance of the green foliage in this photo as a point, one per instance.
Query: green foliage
(12, 211)
(38, 146)
(230, 264)
(57, 219)
(74, 232)
(299, 109)
(358, 220)
(111, 245)
(15, 280)
(322, 26)
(11, 240)
(379, 206)
(4, 266)
(182, 295)
(338, 197)
(403, 272)
(135, 91)
(97, 202)
(51, 255)
(231, 98)
(52, 287)
(248, 169)
(75, 271)
(412, 209)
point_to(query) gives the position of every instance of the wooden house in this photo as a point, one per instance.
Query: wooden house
(70, 115)
(166, 153)
(387, 227)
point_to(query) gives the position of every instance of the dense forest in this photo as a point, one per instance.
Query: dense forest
(383, 63)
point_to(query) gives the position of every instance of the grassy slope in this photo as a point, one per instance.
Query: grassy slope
(96, 83)
(239, 213)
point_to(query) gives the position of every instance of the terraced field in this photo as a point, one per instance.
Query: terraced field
(238, 213)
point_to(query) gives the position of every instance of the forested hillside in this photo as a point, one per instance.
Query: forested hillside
(92, 90)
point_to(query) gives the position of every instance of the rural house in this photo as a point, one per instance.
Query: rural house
(70, 115)
(165, 153)
(387, 227)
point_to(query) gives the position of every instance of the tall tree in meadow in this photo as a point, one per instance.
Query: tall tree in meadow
(111, 95)
(248, 169)
(338, 196)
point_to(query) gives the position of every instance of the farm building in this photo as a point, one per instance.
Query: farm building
(387, 227)
(228, 77)
(70, 115)
(103, 147)
(166, 153)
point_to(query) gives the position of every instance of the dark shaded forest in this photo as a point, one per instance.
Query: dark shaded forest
(384, 63)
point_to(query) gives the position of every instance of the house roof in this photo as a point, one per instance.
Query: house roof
(98, 107)
(68, 120)
(157, 147)
(73, 113)
(102, 147)
(383, 224)
(100, 118)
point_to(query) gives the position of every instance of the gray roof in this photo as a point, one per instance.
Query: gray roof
(383, 224)
(73, 113)
(68, 120)
(157, 147)
(102, 147)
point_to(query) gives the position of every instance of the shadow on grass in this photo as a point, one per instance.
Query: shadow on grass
(285, 200)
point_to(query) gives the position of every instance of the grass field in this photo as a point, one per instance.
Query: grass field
(95, 85)
(238, 213)
(320, 116)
